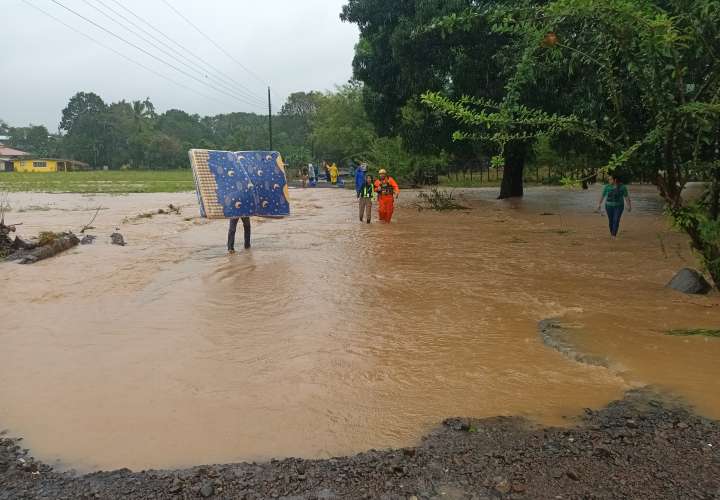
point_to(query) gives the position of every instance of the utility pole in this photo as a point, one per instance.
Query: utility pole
(270, 119)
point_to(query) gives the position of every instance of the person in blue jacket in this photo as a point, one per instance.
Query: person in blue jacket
(360, 173)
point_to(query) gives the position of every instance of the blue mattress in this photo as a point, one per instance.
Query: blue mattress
(240, 184)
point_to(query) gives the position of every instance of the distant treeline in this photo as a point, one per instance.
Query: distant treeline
(310, 127)
(134, 135)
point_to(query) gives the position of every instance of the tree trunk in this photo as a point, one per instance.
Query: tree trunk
(63, 242)
(512, 183)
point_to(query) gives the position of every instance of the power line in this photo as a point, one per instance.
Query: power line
(220, 48)
(182, 62)
(179, 70)
(241, 90)
(147, 68)
(185, 49)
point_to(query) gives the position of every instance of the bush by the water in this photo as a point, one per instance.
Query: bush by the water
(439, 200)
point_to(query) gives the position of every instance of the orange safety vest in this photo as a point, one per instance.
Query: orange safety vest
(386, 187)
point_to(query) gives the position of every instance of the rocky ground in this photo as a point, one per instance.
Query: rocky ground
(640, 447)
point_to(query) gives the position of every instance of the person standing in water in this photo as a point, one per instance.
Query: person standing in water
(304, 175)
(366, 195)
(233, 228)
(334, 173)
(311, 172)
(360, 174)
(388, 191)
(615, 196)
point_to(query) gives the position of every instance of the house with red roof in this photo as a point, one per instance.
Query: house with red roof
(8, 156)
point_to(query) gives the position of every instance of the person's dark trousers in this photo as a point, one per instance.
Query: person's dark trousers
(233, 229)
(614, 216)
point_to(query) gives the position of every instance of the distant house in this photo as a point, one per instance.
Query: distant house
(19, 161)
(39, 165)
(8, 156)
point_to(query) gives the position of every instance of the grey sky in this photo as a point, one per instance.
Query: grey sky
(293, 44)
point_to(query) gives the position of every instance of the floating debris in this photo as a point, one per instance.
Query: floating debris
(117, 239)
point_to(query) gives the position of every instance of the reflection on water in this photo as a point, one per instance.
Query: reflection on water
(333, 337)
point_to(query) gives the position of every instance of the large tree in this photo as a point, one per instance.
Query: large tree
(407, 48)
(85, 123)
(34, 139)
(341, 129)
(640, 79)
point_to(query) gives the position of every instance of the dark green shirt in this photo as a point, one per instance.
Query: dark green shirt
(367, 191)
(615, 195)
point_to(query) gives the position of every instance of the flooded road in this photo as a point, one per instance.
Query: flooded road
(332, 337)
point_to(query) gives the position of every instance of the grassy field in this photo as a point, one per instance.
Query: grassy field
(131, 181)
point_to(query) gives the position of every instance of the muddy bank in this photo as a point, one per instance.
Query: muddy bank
(558, 336)
(639, 447)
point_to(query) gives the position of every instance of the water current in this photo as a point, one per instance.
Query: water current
(332, 337)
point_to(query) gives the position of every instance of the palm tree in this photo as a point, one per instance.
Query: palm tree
(143, 111)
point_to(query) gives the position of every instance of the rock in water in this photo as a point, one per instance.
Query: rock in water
(691, 282)
(87, 240)
(117, 239)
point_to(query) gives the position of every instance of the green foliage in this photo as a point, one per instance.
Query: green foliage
(34, 139)
(391, 153)
(409, 48)
(341, 130)
(639, 84)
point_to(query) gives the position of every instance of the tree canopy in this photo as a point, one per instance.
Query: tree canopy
(638, 81)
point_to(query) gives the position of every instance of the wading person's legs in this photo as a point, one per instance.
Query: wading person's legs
(233, 229)
(365, 209)
(614, 214)
(361, 203)
(246, 231)
(231, 235)
(386, 206)
(616, 220)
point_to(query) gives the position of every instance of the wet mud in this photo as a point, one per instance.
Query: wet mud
(639, 447)
(330, 337)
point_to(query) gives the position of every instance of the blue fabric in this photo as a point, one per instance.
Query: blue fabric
(250, 183)
(614, 216)
(359, 179)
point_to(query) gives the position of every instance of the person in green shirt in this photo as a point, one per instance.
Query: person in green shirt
(366, 195)
(615, 196)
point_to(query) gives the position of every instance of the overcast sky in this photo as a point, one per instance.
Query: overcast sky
(292, 44)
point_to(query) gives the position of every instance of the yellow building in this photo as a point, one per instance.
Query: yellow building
(47, 165)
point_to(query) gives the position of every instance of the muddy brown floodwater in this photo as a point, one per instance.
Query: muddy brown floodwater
(332, 337)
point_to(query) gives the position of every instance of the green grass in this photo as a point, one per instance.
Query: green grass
(131, 181)
(697, 332)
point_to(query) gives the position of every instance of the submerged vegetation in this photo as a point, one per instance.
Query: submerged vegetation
(698, 332)
(438, 200)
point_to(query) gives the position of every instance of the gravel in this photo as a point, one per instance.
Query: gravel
(639, 447)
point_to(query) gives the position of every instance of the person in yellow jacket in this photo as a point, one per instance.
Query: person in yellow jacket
(334, 173)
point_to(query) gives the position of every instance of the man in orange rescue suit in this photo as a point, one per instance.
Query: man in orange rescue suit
(388, 191)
